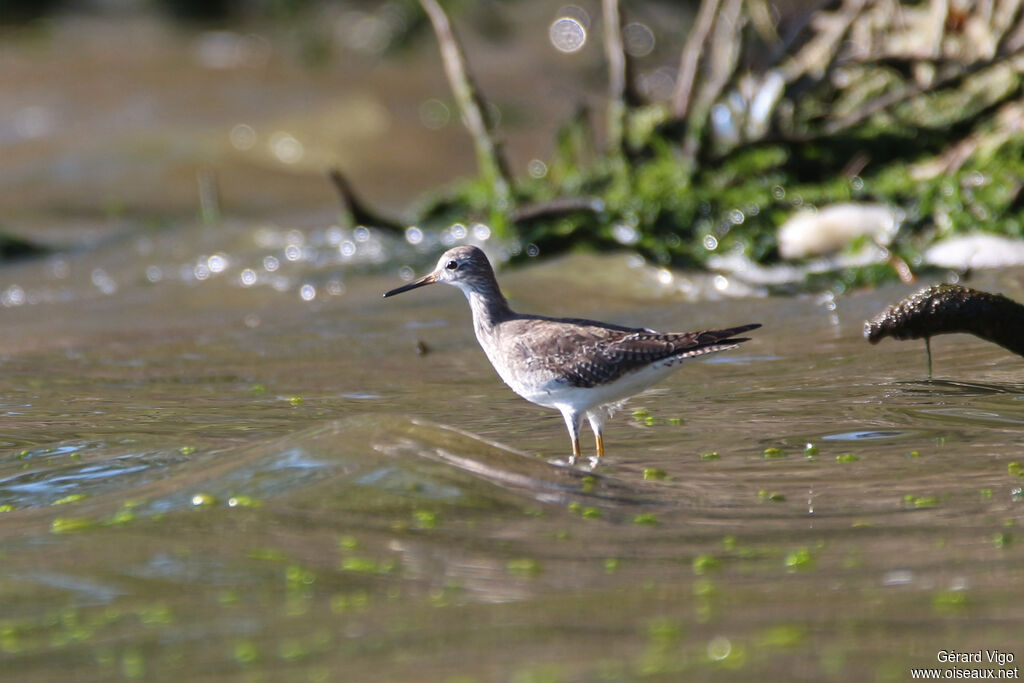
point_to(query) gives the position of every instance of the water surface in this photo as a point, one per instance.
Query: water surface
(214, 480)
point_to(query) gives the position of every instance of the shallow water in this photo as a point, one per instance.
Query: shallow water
(214, 481)
(223, 457)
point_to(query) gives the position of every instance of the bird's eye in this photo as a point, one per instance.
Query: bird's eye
(452, 265)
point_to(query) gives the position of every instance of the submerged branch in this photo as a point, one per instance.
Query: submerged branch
(946, 309)
(357, 209)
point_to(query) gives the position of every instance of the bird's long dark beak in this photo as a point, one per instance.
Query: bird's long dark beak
(428, 279)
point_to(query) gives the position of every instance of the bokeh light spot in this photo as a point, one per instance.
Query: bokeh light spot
(567, 35)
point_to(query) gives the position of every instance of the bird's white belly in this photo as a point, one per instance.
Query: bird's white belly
(552, 393)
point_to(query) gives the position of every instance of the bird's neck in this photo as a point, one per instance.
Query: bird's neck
(489, 307)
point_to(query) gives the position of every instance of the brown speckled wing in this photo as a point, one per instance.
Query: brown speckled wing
(591, 355)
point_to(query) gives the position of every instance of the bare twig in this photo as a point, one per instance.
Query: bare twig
(557, 207)
(209, 195)
(1002, 21)
(816, 56)
(725, 47)
(616, 56)
(361, 215)
(691, 57)
(1012, 36)
(489, 158)
(896, 97)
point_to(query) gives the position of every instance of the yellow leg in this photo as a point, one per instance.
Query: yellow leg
(600, 445)
(576, 454)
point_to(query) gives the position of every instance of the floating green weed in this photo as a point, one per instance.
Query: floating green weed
(158, 614)
(270, 554)
(647, 519)
(342, 602)
(295, 575)
(584, 511)
(243, 502)
(187, 450)
(1002, 539)
(949, 602)
(292, 649)
(847, 457)
(782, 636)
(799, 559)
(588, 482)
(244, 652)
(771, 496)
(348, 542)
(132, 664)
(73, 498)
(228, 596)
(201, 499)
(523, 566)
(65, 525)
(774, 453)
(810, 450)
(122, 516)
(1015, 469)
(295, 400)
(6, 507)
(710, 455)
(663, 645)
(425, 519)
(921, 501)
(704, 564)
(652, 474)
(367, 565)
(611, 565)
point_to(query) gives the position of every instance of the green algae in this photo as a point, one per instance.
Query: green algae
(705, 564)
(72, 498)
(921, 501)
(801, 559)
(654, 474)
(425, 519)
(526, 567)
(66, 525)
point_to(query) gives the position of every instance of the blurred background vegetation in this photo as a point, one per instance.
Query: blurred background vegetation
(691, 135)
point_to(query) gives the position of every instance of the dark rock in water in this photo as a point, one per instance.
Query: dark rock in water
(945, 309)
